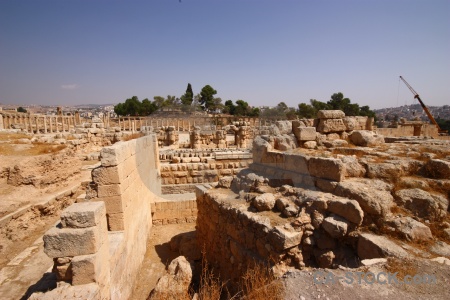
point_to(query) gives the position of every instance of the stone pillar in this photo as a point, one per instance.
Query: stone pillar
(51, 124)
(45, 124)
(129, 123)
(1, 122)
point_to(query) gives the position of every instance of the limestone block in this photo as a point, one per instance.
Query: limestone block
(310, 145)
(351, 123)
(297, 163)
(284, 237)
(62, 242)
(375, 246)
(327, 168)
(438, 168)
(116, 221)
(67, 291)
(116, 154)
(81, 215)
(92, 267)
(305, 134)
(264, 202)
(369, 194)
(348, 209)
(331, 125)
(335, 226)
(113, 204)
(412, 230)
(366, 138)
(330, 114)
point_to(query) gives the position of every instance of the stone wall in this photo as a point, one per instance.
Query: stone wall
(174, 212)
(235, 236)
(428, 130)
(125, 185)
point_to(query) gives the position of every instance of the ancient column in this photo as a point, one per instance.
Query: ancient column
(45, 124)
(129, 123)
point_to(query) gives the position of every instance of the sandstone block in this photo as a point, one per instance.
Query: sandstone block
(81, 215)
(330, 114)
(72, 242)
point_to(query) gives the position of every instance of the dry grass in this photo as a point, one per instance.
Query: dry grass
(210, 287)
(29, 149)
(401, 267)
(259, 283)
(8, 136)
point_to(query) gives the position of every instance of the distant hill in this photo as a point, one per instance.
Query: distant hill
(411, 112)
(92, 105)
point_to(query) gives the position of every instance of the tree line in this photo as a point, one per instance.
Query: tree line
(206, 101)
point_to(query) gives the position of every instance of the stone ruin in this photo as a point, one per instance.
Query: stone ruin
(313, 193)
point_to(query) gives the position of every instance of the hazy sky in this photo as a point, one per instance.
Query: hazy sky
(78, 52)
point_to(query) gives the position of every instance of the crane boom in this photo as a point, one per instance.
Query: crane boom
(425, 108)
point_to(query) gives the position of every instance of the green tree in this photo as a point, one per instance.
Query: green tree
(338, 101)
(21, 109)
(229, 107)
(148, 107)
(188, 96)
(159, 101)
(207, 97)
(306, 111)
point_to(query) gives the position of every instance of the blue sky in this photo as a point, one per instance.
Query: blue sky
(77, 52)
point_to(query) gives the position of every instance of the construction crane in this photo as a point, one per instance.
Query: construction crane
(425, 108)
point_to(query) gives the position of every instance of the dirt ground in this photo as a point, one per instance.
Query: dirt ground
(157, 257)
(335, 284)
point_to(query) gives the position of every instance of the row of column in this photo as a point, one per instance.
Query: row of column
(135, 123)
(40, 123)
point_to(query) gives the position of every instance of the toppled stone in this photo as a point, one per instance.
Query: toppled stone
(412, 230)
(310, 145)
(438, 168)
(264, 202)
(366, 138)
(375, 246)
(175, 284)
(352, 167)
(285, 237)
(225, 182)
(422, 203)
(370, 196)
(335, 226)
(348, 209)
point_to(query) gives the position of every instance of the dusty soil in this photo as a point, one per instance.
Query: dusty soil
(333, 284)
(41, 172)
(157, 257)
